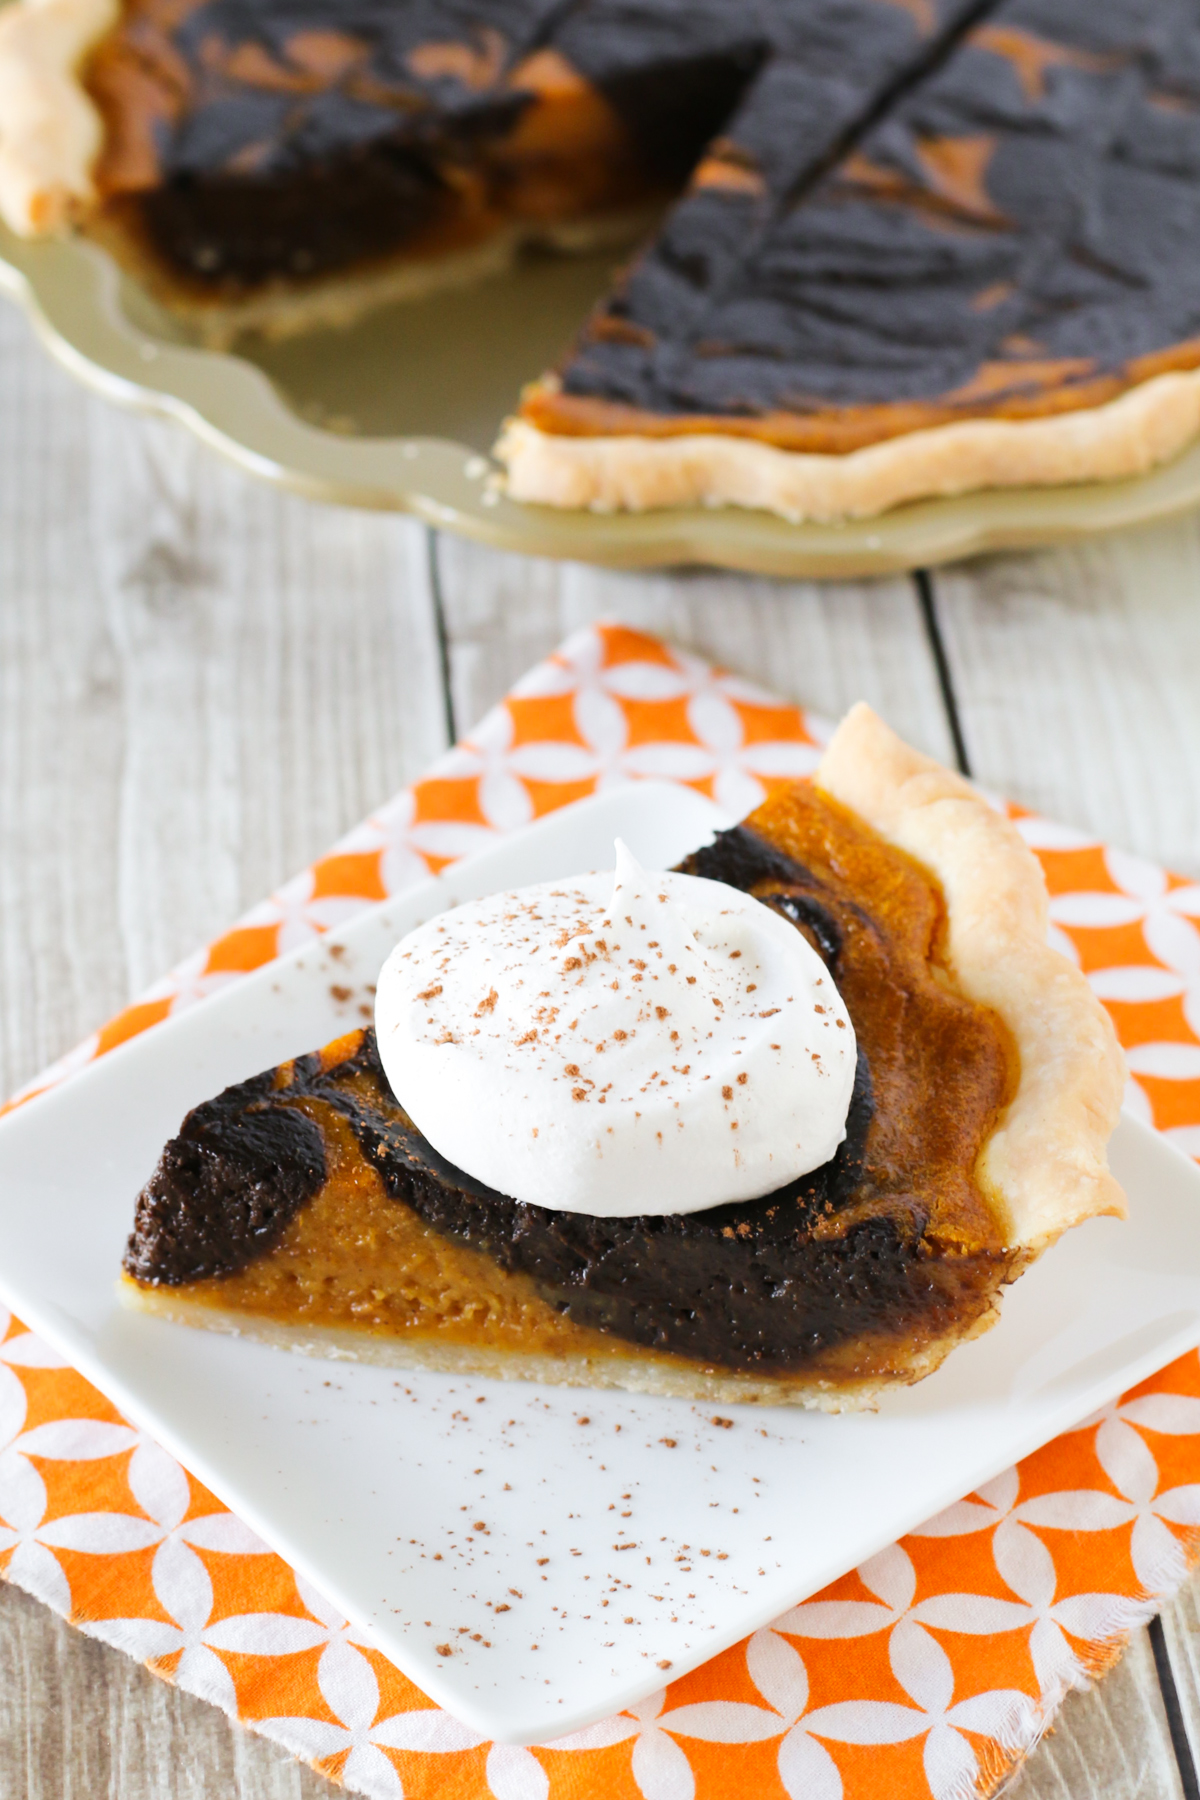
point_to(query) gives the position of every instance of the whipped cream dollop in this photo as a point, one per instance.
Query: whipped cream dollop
(619, 1044)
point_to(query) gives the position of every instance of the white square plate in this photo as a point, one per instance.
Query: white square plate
(639, 1534)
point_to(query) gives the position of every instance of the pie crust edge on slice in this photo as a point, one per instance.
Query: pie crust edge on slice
(1043, 1168)
(1046, 1163)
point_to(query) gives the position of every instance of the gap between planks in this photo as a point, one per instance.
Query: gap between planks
(823, 646)
(1077, 678)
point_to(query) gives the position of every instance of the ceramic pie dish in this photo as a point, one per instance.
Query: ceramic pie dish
(410, 443)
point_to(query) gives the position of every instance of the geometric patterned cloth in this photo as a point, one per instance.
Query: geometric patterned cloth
(933, 1668)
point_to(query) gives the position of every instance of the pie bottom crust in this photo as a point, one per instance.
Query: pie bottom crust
(634, 1371)
(288, 307)
(1148, 425)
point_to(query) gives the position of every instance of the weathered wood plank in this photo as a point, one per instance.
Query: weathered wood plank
(79, 1721)
(202, 683)
(824, 645)
(1112, 1741)
(1077, 674)
(1181, 1632)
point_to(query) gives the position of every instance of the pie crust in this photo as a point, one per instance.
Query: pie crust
(1045, 1167)
(50, 131)
(289, 309)
(1146, 426)
(1041, 1169)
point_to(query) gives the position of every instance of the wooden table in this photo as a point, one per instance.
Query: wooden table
(203, 682)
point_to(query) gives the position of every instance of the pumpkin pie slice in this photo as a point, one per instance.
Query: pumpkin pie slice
(304, 1208)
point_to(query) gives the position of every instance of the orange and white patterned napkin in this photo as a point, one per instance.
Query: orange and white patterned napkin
(929, 1671)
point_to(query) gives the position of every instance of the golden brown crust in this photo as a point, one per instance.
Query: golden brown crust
(50, 131)
(1045, 1167)
(1143, 427)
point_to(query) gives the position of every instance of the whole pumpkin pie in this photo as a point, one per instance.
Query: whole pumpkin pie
(910, 247)
(305, 1208)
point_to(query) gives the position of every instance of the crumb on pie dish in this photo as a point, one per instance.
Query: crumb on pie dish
(305, 1208)
(901, 251)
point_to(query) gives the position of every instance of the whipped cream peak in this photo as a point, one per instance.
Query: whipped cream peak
(619, 1044)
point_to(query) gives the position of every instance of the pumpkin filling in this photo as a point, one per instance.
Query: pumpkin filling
(306, 1196)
